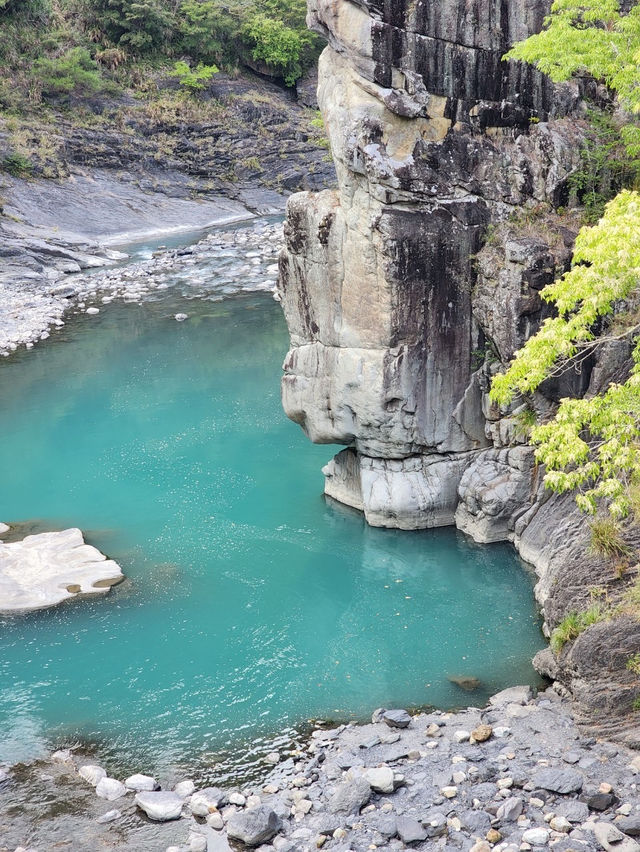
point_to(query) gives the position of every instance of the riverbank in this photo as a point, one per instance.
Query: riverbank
(50, 270)
(516, 775)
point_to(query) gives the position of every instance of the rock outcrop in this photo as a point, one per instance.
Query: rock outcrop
(409, 286)
(436, 141)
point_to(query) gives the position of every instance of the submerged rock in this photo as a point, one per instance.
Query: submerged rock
(92, 774)
(110, 789)
(45, 569)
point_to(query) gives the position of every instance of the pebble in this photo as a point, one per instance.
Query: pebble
(91, 311)
(109, 816)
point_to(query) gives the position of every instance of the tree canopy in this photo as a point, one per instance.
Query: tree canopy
(593, 444)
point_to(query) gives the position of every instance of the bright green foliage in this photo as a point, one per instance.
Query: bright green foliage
(277, 45)
(193, 79)
(73, 73)
(589, 36)
(592, 444)
(211, 30)
(573, 624)
(228, 31)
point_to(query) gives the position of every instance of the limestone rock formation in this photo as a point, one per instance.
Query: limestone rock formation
(435, 141)
(409, 286)
(45, 569)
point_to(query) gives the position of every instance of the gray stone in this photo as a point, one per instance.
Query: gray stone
(559, 780)
(611, 838)
(476, 822)
(350, 796)
(574, 811)
(396, 718)
(254, 826)
(410, 830)
(510, 809)
(601, 801)
(630, 825)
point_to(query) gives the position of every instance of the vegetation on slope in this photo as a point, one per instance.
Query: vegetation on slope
(591, 445)
(58, 50)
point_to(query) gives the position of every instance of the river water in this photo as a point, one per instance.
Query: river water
(251, 604)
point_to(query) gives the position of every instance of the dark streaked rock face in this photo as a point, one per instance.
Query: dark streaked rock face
(433, 140)
(406, 288)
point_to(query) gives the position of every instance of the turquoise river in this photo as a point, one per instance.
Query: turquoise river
(251, 604)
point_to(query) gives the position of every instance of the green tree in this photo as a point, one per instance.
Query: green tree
(140, 26)
(591, 445)
(277, 45)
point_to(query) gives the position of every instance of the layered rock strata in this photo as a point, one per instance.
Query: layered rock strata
(435, 139)
(408, 287)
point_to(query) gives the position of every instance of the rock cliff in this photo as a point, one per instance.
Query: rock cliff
(408, 286)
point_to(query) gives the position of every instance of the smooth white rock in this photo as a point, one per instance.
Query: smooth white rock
(197, 843)
(185, 788)
(43, 570)
(536, 836)
(215, 821)
(92, 311)
(110, 789)
(181, 317)
(381, 780)
(92, 774)
(204, 801)
(160, 806)
(4, 528)
(139, 783)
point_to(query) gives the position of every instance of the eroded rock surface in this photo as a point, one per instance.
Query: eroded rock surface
(407, 288)
(436, 141)
(45, 569)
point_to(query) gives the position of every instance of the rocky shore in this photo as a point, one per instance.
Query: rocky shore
(514, 776)
(61, 279)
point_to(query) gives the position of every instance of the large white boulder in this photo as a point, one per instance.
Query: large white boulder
(45, 569)
(161, 806)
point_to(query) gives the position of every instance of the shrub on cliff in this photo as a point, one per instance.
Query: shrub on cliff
(592, 445)
(231, 32)
(75, 72)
